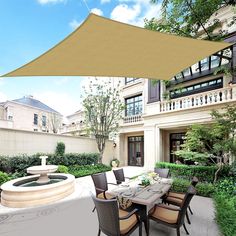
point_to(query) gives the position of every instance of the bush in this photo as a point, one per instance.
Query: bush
(79, 171)
(62, 169)
(60, 149)
(203, 173)
(203, 189)
(226, 214)
(4, 178)
(226, 187)
(17, 165)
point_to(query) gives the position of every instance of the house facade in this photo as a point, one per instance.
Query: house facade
(158, 114)
(29, 114)
(75, 125)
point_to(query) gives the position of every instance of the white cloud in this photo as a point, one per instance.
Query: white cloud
(97, 11)
(135, 12)
(74, 24)
(44, 2)
(105, 1)
(61, 102)
(125, 14)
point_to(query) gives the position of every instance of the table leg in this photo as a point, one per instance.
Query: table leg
(143, 216)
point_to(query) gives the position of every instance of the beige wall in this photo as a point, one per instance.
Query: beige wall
(13, 142)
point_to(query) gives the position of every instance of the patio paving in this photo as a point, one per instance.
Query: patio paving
(74, 217)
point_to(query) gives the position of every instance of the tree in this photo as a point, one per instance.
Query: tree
(103, 110)
(190, 18)
(54, 121)
(216, 140)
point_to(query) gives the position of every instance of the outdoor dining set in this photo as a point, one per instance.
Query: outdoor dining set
(131, 202)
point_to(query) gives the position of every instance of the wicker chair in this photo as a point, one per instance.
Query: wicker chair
(119, 175)
(162, 172)
(114, 221)
(173, 216)
(177, 198)
(101, 185)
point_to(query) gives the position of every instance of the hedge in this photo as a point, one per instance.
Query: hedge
(203, 189)
(79, 171)
(19, 164)
(203, 173)
(226, 214)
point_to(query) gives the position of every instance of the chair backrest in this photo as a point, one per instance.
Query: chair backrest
(119, 174)
(194, 181)
(100, 181)
(162, 172)
(185, 203)
(108, 216)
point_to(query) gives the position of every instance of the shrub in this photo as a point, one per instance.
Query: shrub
(62, 169)
(4, 177)
(60, 149)
(226, 187)
(79, 171)
(17, 165)
(226, 214)
(203, 189)
(203, 173)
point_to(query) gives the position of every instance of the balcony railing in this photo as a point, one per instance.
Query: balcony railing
(197, 100)
(133, 119)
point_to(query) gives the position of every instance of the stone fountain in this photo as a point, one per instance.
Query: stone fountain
(43, 187)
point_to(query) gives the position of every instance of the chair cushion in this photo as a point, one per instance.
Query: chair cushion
(101, 196)
(165, 215)
(128, 224)
(173, 201)
(176, 195)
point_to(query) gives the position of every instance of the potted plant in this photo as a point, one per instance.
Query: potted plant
(115, 162)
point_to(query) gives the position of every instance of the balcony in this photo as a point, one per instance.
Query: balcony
(133, 119)
(197, 100)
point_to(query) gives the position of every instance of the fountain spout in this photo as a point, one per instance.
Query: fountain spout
(43, 160)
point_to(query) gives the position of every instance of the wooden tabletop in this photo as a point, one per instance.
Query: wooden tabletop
(142, 195)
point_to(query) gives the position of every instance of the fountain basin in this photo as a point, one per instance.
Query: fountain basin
(17, 194)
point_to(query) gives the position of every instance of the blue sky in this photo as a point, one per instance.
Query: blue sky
(30, 27)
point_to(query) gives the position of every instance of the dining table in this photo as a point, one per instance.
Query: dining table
(143, 197)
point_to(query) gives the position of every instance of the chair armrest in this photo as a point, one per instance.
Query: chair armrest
(129, 215)
(168, 207)
(101, 190)
(112, 184)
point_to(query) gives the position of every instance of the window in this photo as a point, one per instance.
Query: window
(44, 121)
(10, 117)
(35, 119)
(197, 88)
(130, 80)
(133, 105)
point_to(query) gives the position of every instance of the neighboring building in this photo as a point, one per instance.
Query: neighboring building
(76, 125)
(157, 116)
(28, 113)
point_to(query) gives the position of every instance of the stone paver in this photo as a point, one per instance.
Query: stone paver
(74, 217)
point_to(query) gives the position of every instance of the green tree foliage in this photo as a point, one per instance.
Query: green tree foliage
(103, 110)
(216, 140)
(189, 17)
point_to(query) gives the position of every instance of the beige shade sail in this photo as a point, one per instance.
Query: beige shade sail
(103, 47)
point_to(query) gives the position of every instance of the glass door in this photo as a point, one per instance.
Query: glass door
(176, 140)
(135, 151)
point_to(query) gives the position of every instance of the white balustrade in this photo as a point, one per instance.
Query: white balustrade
(197, 100)
(133, 119)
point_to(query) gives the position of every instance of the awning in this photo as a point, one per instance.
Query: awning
(103, 47)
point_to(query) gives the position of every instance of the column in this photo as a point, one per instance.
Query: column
(149, 147)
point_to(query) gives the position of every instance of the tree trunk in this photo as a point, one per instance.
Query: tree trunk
(218, 170)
